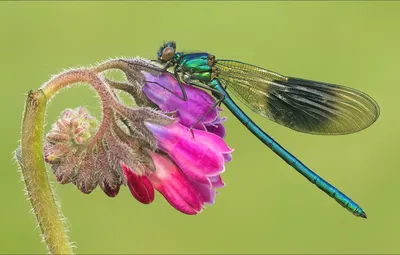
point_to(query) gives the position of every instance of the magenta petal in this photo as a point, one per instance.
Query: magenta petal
(198, 157)
(210, 140)
(227, 157)
(216, 181)
(207, 192)
(140, 186)
(176, 133)
(217, 129)
(182, 200)
(175, 187)
(216, 126)
(197, 162)
(190, 111)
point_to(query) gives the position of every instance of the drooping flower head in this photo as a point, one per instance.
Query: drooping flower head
(190, 111)
(190, 174)
(145, 149)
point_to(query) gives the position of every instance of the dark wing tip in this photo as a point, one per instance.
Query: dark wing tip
(354, 110)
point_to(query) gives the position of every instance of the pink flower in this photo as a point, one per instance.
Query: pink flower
(168, 179)
(187, 164)
(153, 151)
(188, 174)
(190, 111)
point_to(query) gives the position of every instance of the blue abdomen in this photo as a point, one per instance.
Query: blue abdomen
(329, 189)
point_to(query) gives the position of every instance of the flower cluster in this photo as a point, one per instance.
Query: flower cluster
(145, 149)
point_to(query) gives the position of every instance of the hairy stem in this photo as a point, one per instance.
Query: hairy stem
(111, 64)
(39, 191)
(31, 158)
(30, 154)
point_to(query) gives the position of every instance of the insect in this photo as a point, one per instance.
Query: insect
(303, 105)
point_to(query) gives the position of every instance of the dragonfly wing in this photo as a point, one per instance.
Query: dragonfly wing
(303, 105)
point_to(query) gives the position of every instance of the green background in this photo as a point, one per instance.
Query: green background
(266, 207)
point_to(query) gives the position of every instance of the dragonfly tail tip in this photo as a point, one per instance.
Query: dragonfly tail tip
(363, 215)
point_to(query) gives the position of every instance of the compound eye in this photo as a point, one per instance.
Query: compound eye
(168, 54)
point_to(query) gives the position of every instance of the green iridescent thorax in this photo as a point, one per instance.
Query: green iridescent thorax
(198, 65)
(177, 56)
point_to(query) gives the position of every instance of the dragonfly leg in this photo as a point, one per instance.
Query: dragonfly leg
(167, 89)
(162, 70)
(218, 102)
(143, 65)
(168, 65)
(180, 84)
(218, 94)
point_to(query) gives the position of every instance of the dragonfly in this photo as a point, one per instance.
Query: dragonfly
(303, 105)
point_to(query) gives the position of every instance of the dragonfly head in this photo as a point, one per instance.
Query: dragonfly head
(166, 51)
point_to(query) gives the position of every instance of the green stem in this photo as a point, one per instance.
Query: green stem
(30, 154)
(31, 159)
(39, 191)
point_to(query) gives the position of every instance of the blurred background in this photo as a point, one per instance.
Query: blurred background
(266, 206)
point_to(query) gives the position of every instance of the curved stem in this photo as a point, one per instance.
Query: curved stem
(31, 158)
(30, 154)
(40, 193)
(111, 64)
